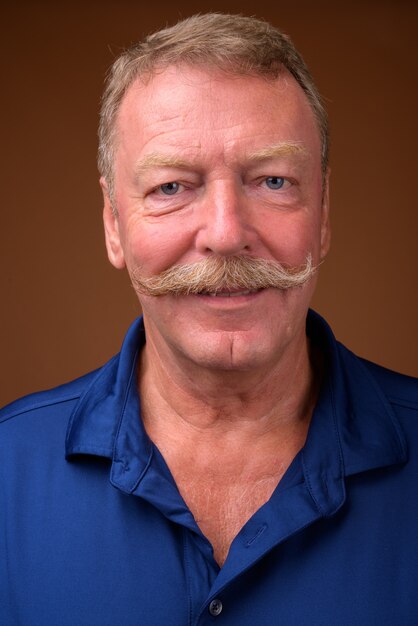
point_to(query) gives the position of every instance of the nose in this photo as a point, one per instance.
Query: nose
(224, 228)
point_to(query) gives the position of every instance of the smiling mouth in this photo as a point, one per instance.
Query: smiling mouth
(228, 294)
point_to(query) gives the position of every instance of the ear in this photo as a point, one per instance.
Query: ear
(325, 220)
(111, 226)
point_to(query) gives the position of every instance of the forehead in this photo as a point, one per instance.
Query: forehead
(187, 108)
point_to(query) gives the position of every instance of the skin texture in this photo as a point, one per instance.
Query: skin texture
(227, 384)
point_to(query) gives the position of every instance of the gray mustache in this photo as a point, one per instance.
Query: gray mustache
(214, 274)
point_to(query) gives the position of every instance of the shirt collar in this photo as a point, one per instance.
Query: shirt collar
(368, 430)
(99, 421)
(354, 428)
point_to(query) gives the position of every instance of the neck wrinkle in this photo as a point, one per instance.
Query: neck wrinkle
(253, 403)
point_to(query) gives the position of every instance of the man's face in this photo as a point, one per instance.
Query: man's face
(212, 164)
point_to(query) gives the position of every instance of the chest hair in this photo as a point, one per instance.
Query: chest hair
(221, 506)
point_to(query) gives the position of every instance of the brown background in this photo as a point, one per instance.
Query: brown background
(64, 310)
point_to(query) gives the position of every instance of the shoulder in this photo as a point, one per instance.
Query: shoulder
(399, 389)
(62, 397)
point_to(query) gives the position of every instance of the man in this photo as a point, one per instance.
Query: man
(233, 463)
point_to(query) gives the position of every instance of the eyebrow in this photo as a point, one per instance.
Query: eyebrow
(285, 148)
(159, 160)
(155, 159)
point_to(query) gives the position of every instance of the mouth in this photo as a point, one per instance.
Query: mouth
(229, 293)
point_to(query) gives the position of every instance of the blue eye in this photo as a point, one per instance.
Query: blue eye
(169, 189)
(275, 182)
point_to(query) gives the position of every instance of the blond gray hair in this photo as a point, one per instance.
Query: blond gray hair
(214, 274)
(232, 43)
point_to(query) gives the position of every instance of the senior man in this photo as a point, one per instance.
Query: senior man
(233, 463)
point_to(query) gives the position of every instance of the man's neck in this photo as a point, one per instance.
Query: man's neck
(199, 403)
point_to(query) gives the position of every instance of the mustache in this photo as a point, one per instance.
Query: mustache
(214, 274)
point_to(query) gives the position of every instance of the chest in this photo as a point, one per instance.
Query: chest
(221, 505)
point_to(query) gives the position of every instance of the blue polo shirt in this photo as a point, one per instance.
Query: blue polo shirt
(93, 531)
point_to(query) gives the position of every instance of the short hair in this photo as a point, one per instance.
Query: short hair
(232, 43)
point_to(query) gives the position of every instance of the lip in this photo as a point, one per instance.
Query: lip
(230, 293)
(230, 298)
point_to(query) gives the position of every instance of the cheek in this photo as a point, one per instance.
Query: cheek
(291, 240)
(155, 248)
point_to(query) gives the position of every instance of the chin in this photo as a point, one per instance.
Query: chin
(231, 351)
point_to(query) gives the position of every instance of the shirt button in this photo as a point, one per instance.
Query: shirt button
(215, 607)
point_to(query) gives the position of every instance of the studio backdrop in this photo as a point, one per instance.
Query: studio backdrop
(64, 309)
